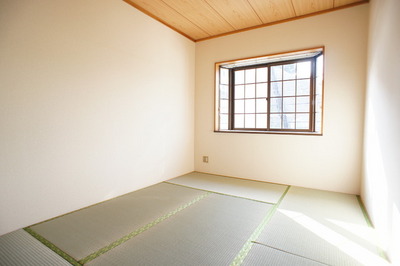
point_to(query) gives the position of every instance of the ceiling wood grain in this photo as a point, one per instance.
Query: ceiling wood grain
(239, 13)
(303, 7)
(202, 15)
(204, 19)
(273, 10)
(163, 13)
(338, 3)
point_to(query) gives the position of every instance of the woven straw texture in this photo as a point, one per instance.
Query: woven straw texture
(86, 231)
(262, 255)
(210, 232)
(260, 191)
(20, 248)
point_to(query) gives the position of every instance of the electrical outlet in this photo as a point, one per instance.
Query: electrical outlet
(205, 159)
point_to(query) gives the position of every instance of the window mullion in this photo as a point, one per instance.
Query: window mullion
(231, 99)
(268, 98)
(312, 94)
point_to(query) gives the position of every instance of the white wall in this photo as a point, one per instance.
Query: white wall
(331, 162)
(381, 178)
(96, 100)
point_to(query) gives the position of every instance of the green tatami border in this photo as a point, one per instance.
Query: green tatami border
(368, 220)
(140, 230)
(117, 242)
(53, 247)
(238, 260)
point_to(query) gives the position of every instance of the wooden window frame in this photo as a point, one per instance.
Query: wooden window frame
(312, 127)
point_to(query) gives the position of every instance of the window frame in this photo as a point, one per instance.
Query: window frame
(283, 59)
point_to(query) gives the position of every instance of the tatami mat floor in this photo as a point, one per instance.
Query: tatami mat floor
(202, 219)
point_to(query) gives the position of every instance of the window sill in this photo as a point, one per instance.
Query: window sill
(270, 132)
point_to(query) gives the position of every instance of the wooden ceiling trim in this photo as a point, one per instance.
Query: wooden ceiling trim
(287, 20)
(200, 13)
(238, 13)
(181, 24)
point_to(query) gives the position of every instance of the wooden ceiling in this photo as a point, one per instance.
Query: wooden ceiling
(204, 19)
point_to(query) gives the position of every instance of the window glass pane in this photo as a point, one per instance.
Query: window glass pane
(223, 122)
(318, 103)
(261, 120)
(318, 113)
(318, 122)
(288, 121)
(289, 71)
(250, 75)
(223, 91)
(276, 73)
(276, 89)
(262, 90)
(239, 121)
(289, 88)
(262, 74)
(302, 121)
(304, 70)
(275, 121)
(303, 87)
(250, 121)
(303, 104)
(318, 83)
(224, 76)
(239, 92)
(239, 106)
(250, 91)
(223, 108)
(289, 104)
(239, 77)
(276, 105)
(320, 66)
(250, 106)
(261, 105)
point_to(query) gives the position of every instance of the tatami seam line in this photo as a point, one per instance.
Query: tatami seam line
(117, 242)
(220, 193)
(238, 260)
(297, 255)
(238, 178)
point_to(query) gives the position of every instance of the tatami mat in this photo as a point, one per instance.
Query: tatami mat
(83, 232)
(262, 255)
(211, 232)
(324, 226)
(20, 248)
(178, 223)
(261, 191)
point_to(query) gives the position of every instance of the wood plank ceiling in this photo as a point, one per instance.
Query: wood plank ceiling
(204, 19)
